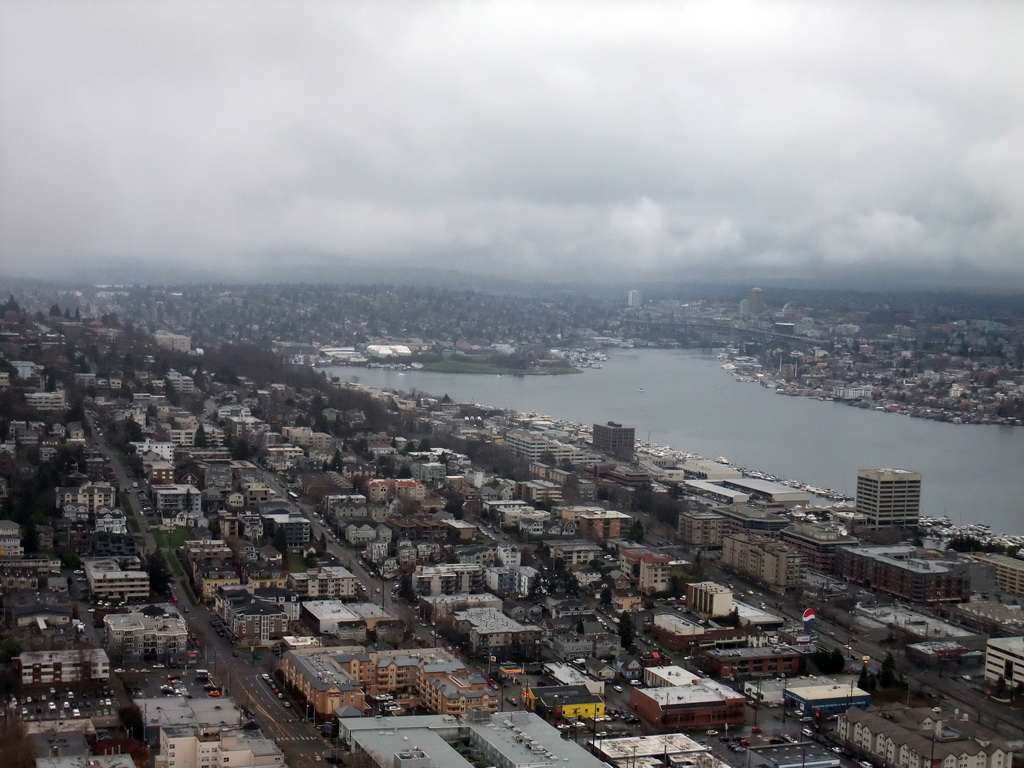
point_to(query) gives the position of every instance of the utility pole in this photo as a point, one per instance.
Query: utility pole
(785, 682)
(757, 701)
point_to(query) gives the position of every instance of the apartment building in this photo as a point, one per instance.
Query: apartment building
(90, 495)
(601, 524)
(158, 471)
(255, 622)
(179, 382)
(296, 527)
(1009, 571)
(201, 746)
(329, 582)
(380, 490)
(210, 575)
(335, 677)
(655, 570)
(46, 401)
(818, 543)
(448, 578)
(574, 552)
(255, 493)
(709, 599)
(10, 540)
(440, 608)
(700, 527)
(493, 634)
(768, 560)
(68, 666)
(165, 450)
(108, 581)
(922, 738)
(909, 573)
(744, 518)
(110, 521)
(175, 342)
(133, 637)
(170, 500)
(533, 445)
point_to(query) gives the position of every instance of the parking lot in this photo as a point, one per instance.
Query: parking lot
(152, 683)
(60, 702)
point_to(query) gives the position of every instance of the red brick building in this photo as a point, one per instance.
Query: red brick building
(701, 704)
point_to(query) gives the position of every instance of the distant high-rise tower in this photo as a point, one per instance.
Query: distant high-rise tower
(615, 439)
(889, 498)
(755, 301)
(633, 298)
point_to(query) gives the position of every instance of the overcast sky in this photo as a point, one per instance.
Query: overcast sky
(575, 139)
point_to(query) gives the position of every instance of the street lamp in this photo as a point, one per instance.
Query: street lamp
(785, 682)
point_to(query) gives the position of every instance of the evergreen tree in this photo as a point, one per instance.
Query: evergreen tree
(887, 677)
(627, 631)
(999, 692)
(405, 591)
(159, 575)
(281, 540)
(636, 531)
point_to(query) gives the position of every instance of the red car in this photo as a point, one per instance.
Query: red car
(756, 729)
(744, 743)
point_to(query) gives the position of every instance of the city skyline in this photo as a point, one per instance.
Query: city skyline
(716, 142)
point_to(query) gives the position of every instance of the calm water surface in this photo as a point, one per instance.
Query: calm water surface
(971, 473)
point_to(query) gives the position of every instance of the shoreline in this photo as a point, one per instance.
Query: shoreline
(937, 528)
(743, 371)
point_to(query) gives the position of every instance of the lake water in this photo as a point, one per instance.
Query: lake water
(972, 473)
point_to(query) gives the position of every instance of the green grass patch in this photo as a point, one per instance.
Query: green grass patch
(295, 562)
(162, 545)
(179, 536)
(175, 565)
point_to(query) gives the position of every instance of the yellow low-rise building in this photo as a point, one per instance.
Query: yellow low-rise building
(569, 702)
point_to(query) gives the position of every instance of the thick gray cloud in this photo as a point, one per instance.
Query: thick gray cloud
(593, 138)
